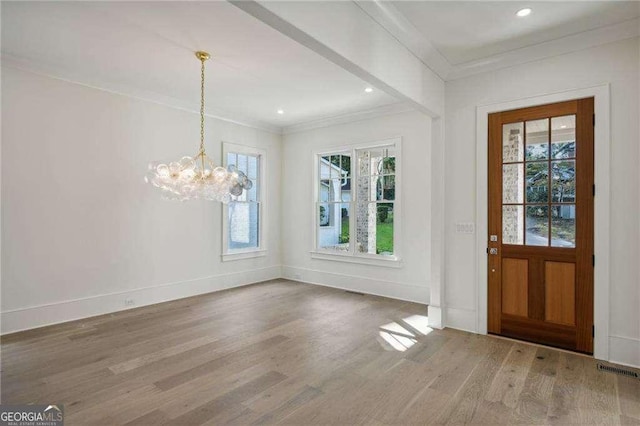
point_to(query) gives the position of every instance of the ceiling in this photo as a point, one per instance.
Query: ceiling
(147, 48)
(464, 31)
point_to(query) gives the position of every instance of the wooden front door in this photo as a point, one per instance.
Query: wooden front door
(540, 249)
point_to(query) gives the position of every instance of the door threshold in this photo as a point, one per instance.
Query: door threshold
(540, 345)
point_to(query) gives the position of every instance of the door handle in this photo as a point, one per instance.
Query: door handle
(493, 251)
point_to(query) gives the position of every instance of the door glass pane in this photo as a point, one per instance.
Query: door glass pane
(537, 140)
(512, 224)
(537, 226)
(512, 145)
(563, 137)
(537, 182)
(512, 183)
(563, 181)
(563, 225)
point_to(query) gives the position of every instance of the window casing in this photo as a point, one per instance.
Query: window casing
(243, 231)
(357, 203)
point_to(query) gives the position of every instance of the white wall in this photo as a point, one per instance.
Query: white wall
(616, 63)
(81, 231)
(411, 281)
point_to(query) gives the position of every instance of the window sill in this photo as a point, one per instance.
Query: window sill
(383, 261)
(228, 257)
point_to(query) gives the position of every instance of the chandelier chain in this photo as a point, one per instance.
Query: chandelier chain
(202, 106)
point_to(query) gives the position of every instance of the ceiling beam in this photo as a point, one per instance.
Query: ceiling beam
(347, 36)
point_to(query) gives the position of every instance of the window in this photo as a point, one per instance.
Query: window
(356, 207)
(243, 217)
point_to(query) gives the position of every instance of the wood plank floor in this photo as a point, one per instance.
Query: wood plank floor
(291, 353)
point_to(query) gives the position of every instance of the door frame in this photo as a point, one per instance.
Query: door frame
(602, 135)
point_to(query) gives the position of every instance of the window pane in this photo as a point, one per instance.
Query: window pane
(242, 163)
(345, 190)
(243, 225)
(336, 235)
(537, 140)
(376, 161)
(537, 224)
(253, 167)
(366, 188)
(389, 165)
(563, 225)
(252, 194)
(563, 181)
(563, 137)
(512, 224)
(374, 228)
(336, 171)
(512, 146)
(325, 190)
(512, 183)
(345, 165)
(231, 159)
(325, 214)
(389, 187)
(325, 167)
(538, 182)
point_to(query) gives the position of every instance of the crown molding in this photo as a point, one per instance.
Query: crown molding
(392, 20)
(560, 46)
(73, 76)
(390, 109)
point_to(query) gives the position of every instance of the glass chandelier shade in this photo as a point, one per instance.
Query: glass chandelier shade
(197, 177)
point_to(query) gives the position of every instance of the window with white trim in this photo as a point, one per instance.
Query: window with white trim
(357, 207)
(244, 215)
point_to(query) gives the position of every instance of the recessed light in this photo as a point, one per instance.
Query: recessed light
(523, 12)
(280, 112)
(368, 89)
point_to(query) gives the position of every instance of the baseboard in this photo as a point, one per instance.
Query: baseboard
(394, 290)
(460, 318)
(39, 316)
(624, 351)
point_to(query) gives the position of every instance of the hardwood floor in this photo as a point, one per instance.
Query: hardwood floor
(284, 352)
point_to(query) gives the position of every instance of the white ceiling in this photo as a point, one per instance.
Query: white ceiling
(146, 48)
(464, 31)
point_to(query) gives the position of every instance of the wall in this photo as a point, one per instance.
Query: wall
(409, 282)
(615, 63)
(81, 231)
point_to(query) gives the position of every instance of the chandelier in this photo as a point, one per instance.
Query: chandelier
(197, 177)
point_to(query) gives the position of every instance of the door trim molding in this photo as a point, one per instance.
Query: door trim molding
(602, 136)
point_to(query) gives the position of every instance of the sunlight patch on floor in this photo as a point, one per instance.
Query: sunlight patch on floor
(400, 338)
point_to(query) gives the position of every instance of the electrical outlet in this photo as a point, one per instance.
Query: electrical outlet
(129, 302)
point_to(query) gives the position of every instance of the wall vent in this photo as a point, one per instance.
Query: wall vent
(354, 292)
(617, 370)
